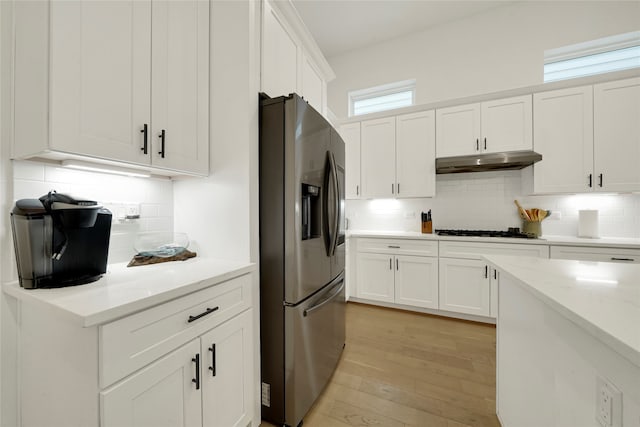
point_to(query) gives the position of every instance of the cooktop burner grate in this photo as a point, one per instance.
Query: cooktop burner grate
(510, 233)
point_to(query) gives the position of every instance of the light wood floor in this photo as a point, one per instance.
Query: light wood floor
(408, 369)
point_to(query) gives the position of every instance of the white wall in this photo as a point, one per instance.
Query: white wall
(484, 200)
(217, 212)
(498, 50)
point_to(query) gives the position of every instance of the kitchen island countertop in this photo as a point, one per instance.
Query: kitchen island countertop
(608, 242)
(602, 298)
(124, 290)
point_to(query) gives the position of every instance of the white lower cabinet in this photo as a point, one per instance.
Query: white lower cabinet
(397, 276)
(464, 286)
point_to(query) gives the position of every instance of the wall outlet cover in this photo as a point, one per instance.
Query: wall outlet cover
(608, 404)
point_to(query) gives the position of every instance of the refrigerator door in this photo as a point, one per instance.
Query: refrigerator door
(314, 340)
(307, 136)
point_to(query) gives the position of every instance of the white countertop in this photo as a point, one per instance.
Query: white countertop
(124, 290)
(608, 242)
(605, 301)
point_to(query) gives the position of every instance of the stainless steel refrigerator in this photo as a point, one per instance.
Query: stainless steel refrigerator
(302, 256)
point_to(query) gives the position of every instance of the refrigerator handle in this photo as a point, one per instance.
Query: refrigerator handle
(311, 309)
(336, 195)
(326, 224)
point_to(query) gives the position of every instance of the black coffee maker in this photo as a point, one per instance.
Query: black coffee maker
(60, 241)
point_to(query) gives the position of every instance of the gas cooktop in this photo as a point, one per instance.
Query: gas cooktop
(511, 233)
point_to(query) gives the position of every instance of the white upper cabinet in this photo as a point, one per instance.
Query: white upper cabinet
(617, 135)
(563, 135)
(457, 130)
(351, 135)
(415, 155)
(488, 127)
(378, 153)
(291, 59)
(279, 55)
(103, 79)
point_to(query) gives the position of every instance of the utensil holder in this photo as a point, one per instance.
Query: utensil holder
(532, 227)
(427, 227)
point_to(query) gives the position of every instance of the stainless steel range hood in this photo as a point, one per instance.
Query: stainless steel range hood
(511, 160)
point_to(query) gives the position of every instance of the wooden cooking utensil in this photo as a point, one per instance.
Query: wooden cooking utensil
(523, 213)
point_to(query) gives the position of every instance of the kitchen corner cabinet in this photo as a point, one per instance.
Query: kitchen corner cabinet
(467, 282)
(123, 81)
(350, 133)
(487, 127)
(398, 271)
(398, 156)
(185, 362)
(589, 138)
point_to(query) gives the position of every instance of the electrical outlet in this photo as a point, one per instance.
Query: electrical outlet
(608, 404)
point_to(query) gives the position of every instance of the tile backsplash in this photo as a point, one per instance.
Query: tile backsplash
(485, 201)
(154, 196)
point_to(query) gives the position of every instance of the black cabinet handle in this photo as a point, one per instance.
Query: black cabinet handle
(397, 267)
(622, 259)
(495, 274)
(162, 138)
(196, 380)
(390, 265)
(145, 135)
(477, 144)
(590, 180)
(398, 188)
(208, 311)
(485, 143)
(357, 190)
(486, 271)
(600, 178)
(212, 368)
(393, 246)
(392, 187)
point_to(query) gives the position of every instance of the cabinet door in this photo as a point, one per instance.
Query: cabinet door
(458, 130)
(415, 155)
(617, 135)
(375, 277)
(378, 153)
(464, 286)
(227, 370)
(563, 131)
(506, 125)
(161, 394)
(279, 55)
(416, 281)
(100, 57)
(180, 86)
(312, 85)
(351, 135)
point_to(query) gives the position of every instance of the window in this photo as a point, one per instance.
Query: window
(382, 98)
(599, 56)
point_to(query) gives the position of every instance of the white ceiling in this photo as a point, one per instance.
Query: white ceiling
(339, 26)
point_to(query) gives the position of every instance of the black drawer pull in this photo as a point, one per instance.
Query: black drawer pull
(393, 247)
(622, 259)
(208, 311)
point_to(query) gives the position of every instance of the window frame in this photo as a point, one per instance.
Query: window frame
(379, 91)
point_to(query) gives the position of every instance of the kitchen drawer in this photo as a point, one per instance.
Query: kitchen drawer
(583, 253)
(475, 250)
(398, 247)
(134, 341)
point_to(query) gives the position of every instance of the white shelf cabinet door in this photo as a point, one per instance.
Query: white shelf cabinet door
(375, 277)
(464, 286)
(160, 395)
(351, 135)
(378, 151)
(416, 281)
(458, 130)
(227, 373)
(617, 135)
(507, 125)
(279, 55)
(415, 155)
(563, 131)
(312, 85)
(100, 78)
(180, 86)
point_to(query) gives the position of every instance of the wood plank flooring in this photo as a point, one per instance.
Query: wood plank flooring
(402, 369)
